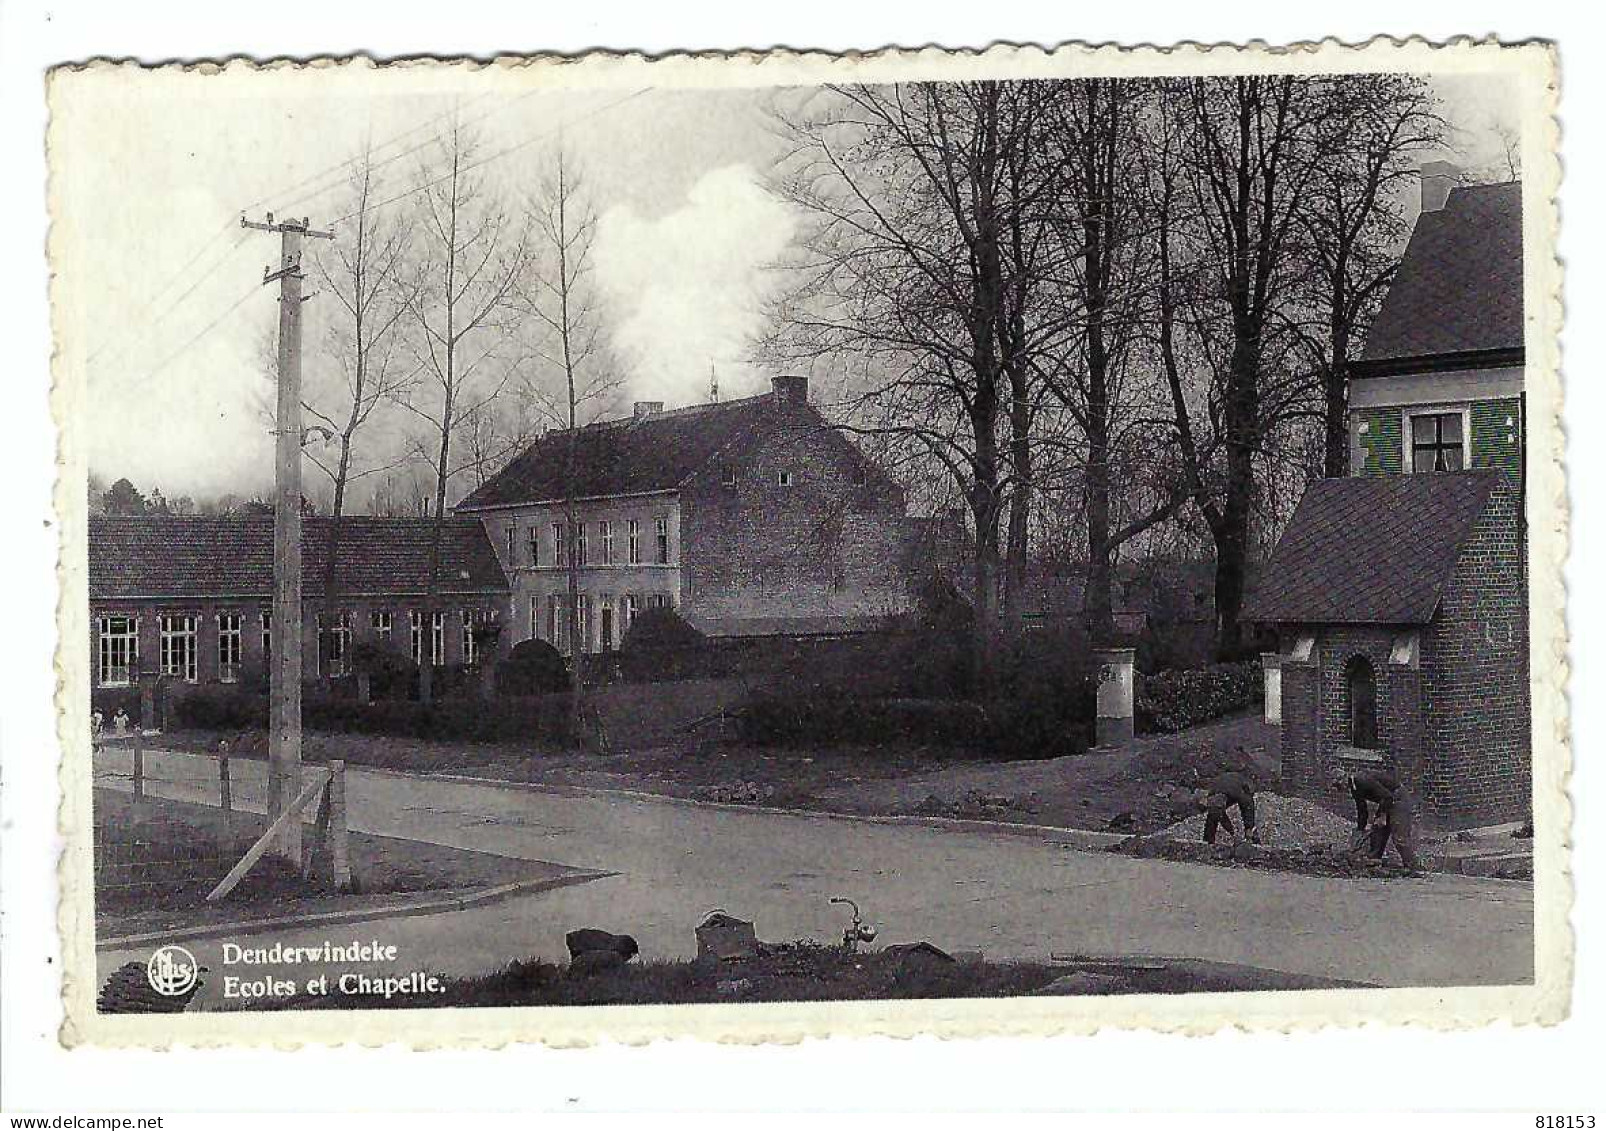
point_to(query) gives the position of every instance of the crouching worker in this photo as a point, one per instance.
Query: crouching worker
(1384, 810)
(1229, 789)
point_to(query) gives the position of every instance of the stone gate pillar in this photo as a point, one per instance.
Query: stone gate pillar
(1115, 667)
(1271, 668)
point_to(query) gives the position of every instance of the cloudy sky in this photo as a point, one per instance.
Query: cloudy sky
(169, 314)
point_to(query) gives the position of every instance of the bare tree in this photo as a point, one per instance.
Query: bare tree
(467, 257)
(1096, 141)
(1355, 224)
(1236, 160)
(562, 301)
(915, 197)
(362, 347)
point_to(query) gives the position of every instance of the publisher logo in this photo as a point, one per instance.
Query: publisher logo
(172, 971)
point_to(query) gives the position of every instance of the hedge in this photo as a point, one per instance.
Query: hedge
(504, 719)
(1176, 700)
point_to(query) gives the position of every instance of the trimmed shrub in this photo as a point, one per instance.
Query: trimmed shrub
(391, 671)
(1176, 700)
(220, 710)
(533, 668)
(660, 628)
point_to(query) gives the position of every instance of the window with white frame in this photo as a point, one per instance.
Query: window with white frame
(1438, 441)
(471, 620)
(179, 632)
(512, 540)
(380, 622)
(727, 475)
(118, 651)
(583, 617)
(783, 478)
(415, 625)
(535, 617)
(535, 545)
(558, 557)
(633, 538)
(607, 628)
(265, 621)
(229, 631)
(632, 607)
(659, 601)
(581, 548)
(334, 644)
(437, 638)
(607, 542)
(662, 535)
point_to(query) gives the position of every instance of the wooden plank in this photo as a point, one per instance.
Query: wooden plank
(256, 851)
(339, 852)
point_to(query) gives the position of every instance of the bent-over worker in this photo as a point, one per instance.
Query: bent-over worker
(1228, 789)
(1384, 810)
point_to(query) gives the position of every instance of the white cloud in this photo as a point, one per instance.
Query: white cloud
(685, 290)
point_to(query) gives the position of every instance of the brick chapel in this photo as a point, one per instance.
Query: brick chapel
(1399, 594)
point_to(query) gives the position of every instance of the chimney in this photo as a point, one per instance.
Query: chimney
(645, 409)
(1438, 178)
(794, 389)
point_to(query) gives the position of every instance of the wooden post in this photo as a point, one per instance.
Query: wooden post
(339, 852)
(225, 793)
(139, 765)
(284, 680)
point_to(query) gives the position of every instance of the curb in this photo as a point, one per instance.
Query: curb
(1089, 839)
(478, 898)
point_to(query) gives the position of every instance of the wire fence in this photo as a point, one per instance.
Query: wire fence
(168, 833)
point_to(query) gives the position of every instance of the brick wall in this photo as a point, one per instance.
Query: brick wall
(832, 542)
(1301, 750)
(250, 609)
(1475, 664)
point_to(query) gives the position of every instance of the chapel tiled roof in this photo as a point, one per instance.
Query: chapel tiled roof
(199, 556)
(1459, 286)
(1374, 549)
(659, 452)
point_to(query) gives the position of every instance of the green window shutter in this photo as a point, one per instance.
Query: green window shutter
(1497, 434)
(1377, 441)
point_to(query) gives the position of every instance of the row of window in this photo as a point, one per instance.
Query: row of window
(117, 653)
(553, 550)
(614, 614)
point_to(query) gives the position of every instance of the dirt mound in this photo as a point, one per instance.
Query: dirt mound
(1283, 822)
(1320, 860)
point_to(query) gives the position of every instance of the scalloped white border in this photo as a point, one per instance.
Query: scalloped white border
(1532, 65)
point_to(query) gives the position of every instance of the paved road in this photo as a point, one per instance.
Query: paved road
(1006, 895)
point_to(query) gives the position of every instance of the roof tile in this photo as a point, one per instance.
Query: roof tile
(167, 556)
(1370, 549)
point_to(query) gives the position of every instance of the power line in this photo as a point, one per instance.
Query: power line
(167, 310)
(149, 374)
(498, 155)
(150, 301)
(342, 165)
(229, 224)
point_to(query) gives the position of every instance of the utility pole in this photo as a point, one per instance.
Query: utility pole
(284, 674)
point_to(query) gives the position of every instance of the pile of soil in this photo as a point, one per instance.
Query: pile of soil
(1317, 860)
(1283, 822)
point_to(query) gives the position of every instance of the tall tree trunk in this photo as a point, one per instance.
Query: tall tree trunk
(1335, 410)
(1241, 412)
